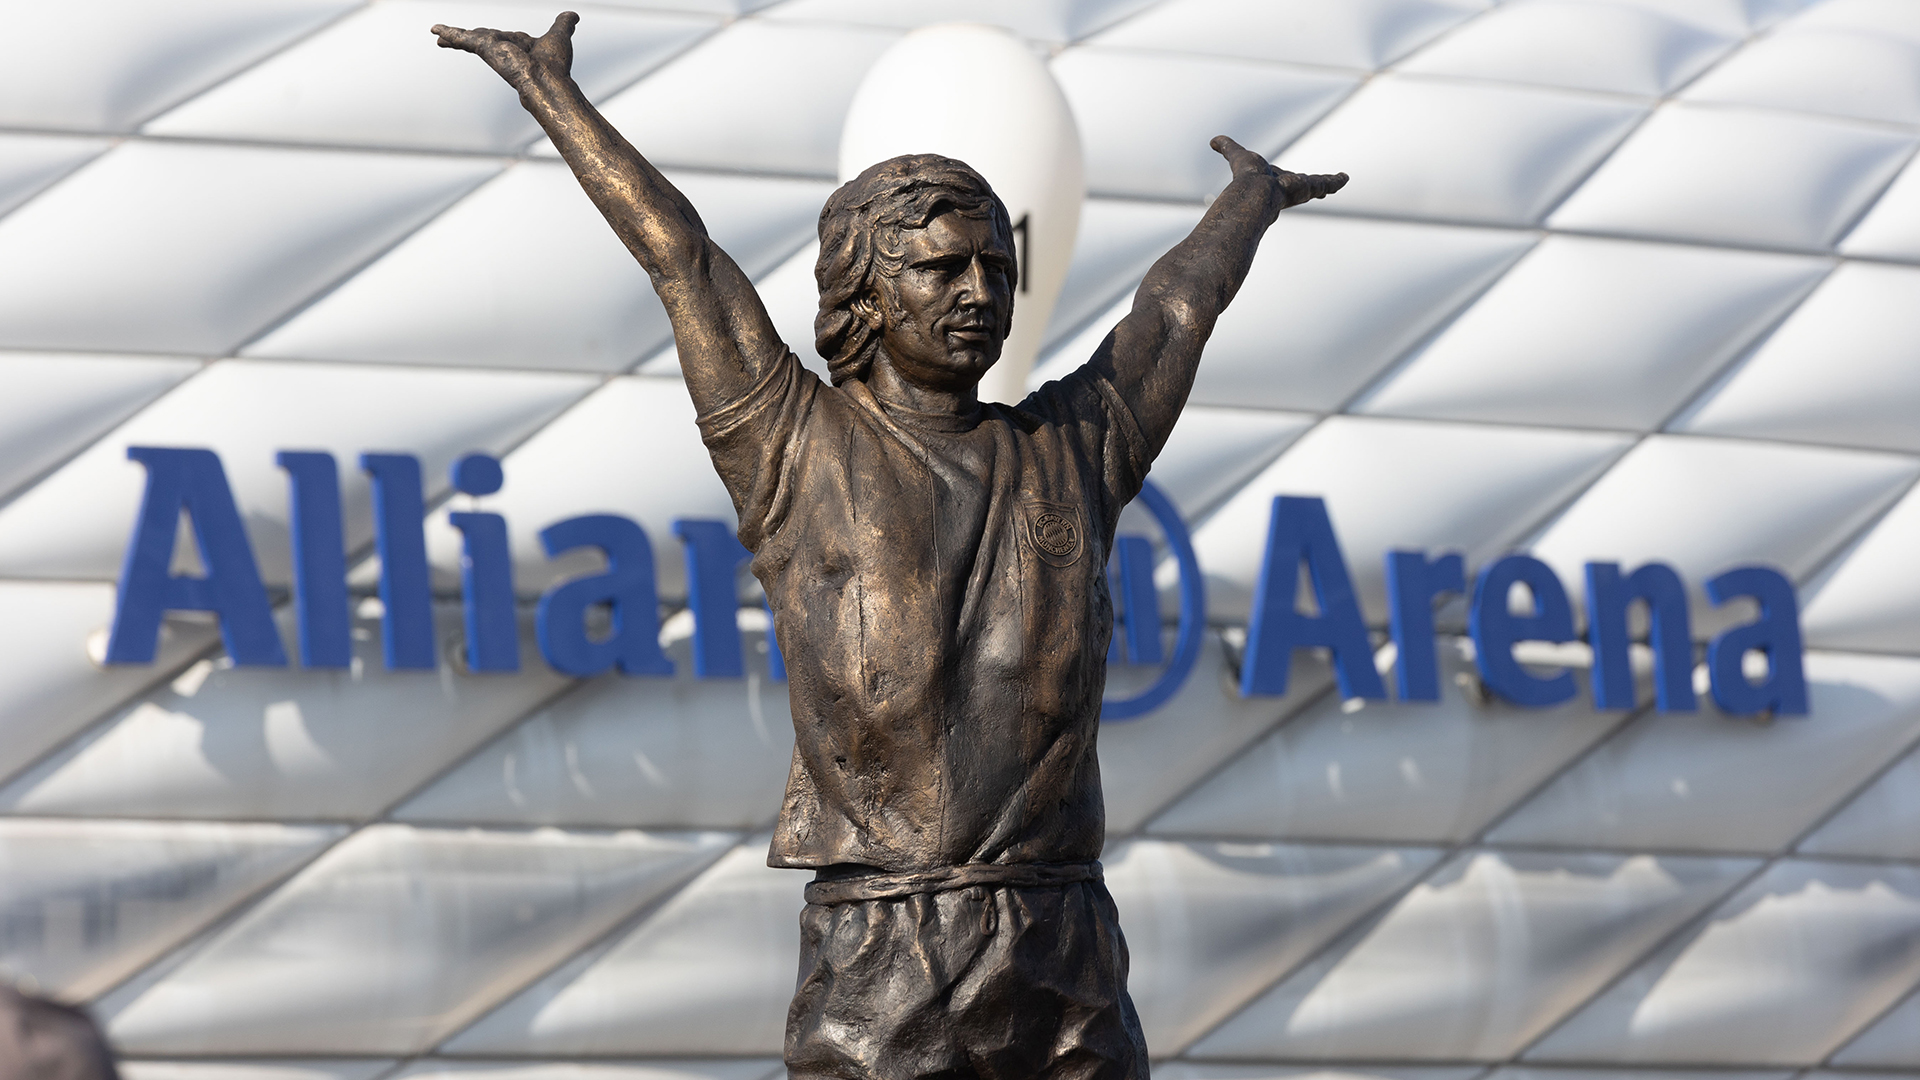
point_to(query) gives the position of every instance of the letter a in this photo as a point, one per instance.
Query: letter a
(1300, 530)
(191, 482)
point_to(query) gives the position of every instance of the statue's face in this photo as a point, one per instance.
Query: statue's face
(944, 316)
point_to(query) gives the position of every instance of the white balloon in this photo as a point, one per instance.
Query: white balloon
(980, 94)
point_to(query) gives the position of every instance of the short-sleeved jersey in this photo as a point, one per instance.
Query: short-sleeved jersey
(939, 591)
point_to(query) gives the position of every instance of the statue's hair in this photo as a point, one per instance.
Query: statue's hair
(860, 238)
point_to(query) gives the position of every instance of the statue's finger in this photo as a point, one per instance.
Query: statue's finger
(1325, 184)
(1227, 148)
(563, 24)
(453, 37)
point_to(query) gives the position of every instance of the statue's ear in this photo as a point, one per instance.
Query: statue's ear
(867, 310)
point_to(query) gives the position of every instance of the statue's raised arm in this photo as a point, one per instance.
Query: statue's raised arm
(724, 336)
(1152, 354)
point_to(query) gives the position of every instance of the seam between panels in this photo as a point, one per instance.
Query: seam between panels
(1912, 994)
(259, 61)
(114, 142)
(1846, 229)
(1715, 382)
(1835, 557)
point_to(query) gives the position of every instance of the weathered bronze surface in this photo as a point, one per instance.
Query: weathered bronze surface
(936, 566)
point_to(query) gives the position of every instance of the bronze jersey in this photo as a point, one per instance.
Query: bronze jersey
(939, 591)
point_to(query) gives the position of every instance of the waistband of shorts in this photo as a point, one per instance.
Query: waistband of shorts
(849, 890)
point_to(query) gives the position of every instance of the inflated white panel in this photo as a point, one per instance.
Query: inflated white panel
(1782, 973)
(226, 742)
(1707, 781)
(709, 973)
(1688, 173)
(1597, 333)
(1390, 771)
(1479, 958)
(1212, 452)
(401, 935)
(195, 249)
(255, 1070)
(1356, 34)
(83, 904)
(792, 300)
(1400, 484)
(378, 78)
(1839, 371)
(647, 464)
(1145, 119)
(1313, 340)
(1211, 925)
(1146, 763)
(1577, 44)
(653, 752)
(1119, 240)
(75, 524)
(1783, 506)
(1869, 599)
(1458, 151)
(57, 403)
(1888, 18)
(690, 1069)
(139, 57)
(1892, 1042)
(1891, 228)
(1043, 20)
(1835, 72)
(1205, 1070)
(51, 688)
(29, 163)
(1881, 822)
(525, 273)
(759, 96)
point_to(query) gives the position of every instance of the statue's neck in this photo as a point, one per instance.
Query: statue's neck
(892, 388)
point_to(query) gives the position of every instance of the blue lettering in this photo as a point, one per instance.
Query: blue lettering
(1495, 629)
(713, 554)
(626, 588)
(486, 570)
(1671, 635)
(1193, 612)
(1140, 601)
(320, 599)
(1300, 529)
(1776, 633)
(1413, 583)
(399, 513)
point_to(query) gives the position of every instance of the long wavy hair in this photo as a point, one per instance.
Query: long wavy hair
(860, 238)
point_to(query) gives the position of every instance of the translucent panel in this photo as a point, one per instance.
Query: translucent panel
(1784, 506)
(1478, 959)
(1401, 484)
(84, 904)
(1312, 341)
(1578, 45)
(1782, 973)
(760, 96)
(1396, 772)
(1893, 1041)
(1119, 240)
(1887, 18)
(50, 687)
(1598, 333)
(699, 753)
(254, 1070)
(1047, 20)
(1517, 1072)
(1882, 822)
(1147, 762)
(1868, 601)
(1145, 119)
(1356, 34)
(366, 80)
(710, 972)
(1210, 925)
(1688, 173)
(1213, 451)
(1706, 781)
(399, 936)
(1458, 151)
(792, 299)
(525, 273)
(1837, 72)
(230, 742)
(75, 524)
(690, 1069)
(1202, 1070)
(31, 162)
(57, 403)
(1891, 229)
(139, 57)
(1839, 371)
(647, 463)
(161, 247)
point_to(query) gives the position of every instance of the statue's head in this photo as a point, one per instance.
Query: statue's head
(916, 260)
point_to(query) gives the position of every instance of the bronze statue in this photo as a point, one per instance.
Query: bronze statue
(936, 568)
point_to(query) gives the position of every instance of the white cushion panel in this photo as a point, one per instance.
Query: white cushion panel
(29, 163)
(1782, 973)
(689, 1069)
(1835, 72)
(1597, 333)
(1119, 240)
(1576, 44)
(400, 935)
(1892, 1042)
(1043, 20)
(255, 1070)
(1868, 599)
(1690, 173)
(57, 403)
(1891, 229)
(1881, 822)
(1463, 152)
(1888, 18)
(162, 247)
(1478, 959)
(1358, 34)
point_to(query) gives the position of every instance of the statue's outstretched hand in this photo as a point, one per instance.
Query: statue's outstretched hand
(1295, 188)
(516, 56)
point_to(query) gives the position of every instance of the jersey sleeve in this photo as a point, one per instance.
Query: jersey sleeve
(755, 440)
(1090, 413)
